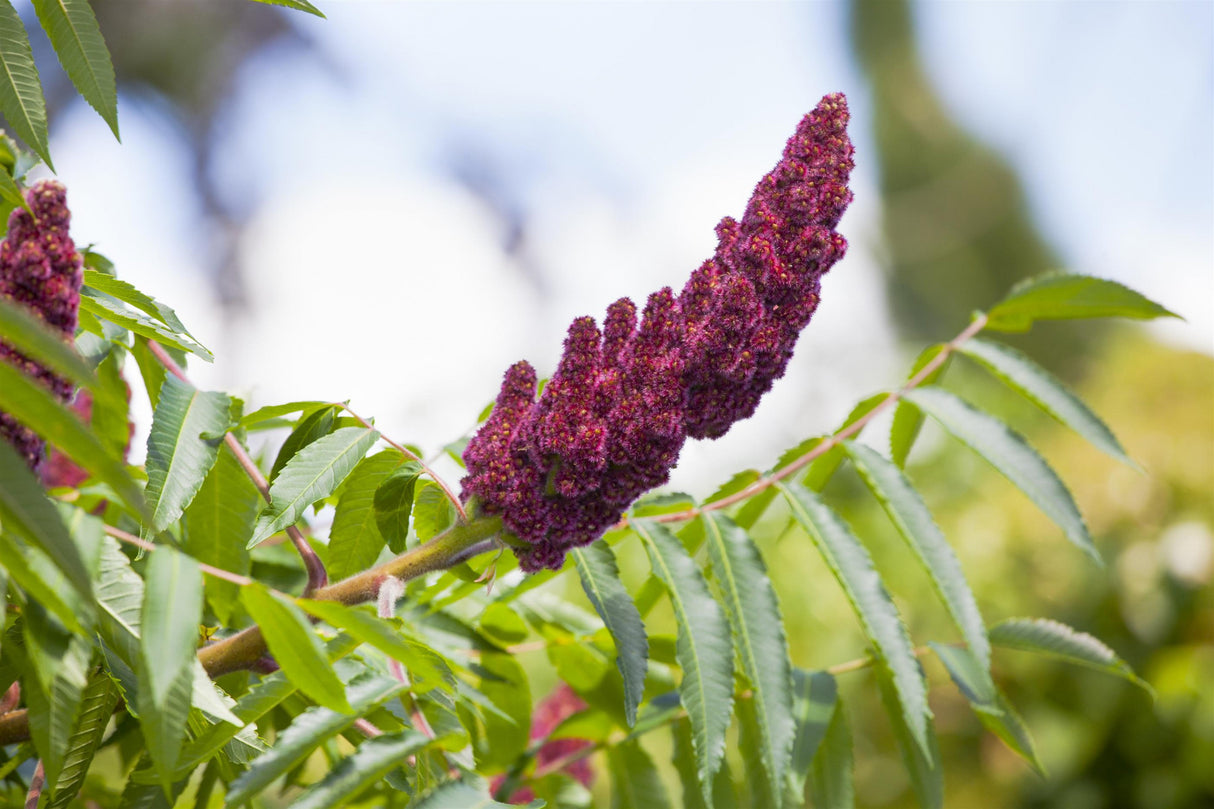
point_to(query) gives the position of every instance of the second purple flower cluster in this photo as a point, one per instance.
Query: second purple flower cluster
(563, 468)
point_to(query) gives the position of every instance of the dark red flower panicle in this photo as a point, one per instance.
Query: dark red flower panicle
(611, 422)
(40, 269)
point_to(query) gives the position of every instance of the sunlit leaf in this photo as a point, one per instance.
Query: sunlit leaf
(313, 426)
(825, 465)
(105, 308)
(27, 333)
(374, 759)
(908, 420)
(815, 696)
(393, 503)
(1062, 296)
(299, 5)
(127, 293)
(21, 98)
(99, 699)
(831, 781)
(219, 522)
(1056, 639)
(77, 41)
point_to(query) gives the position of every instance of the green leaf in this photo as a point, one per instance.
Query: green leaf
(27, 333)
(394, 503)
(26, 512)
(295, 646)
(31, 404)
(105, 308)
(704, 650)
(309, 731)
(1047, 392)
(183, 444)
(1061, 296)
(77, 41)
(271, 412)
(635, 782)
(374, 759)
(300, 5)
(830, 777)
(172, 612)
(54, 708)
(1008, 452)
(601, 580)
(311, 427)
(354, 540)
(218, 522)
(313, 474)
(815, 696)
(100, 699)
(1055, 639)
(853, 567)
(908, 420)
(684, 762)
(758, 634)
(127, 293)
(824, 466)
(922, 761)
(110, 412)
(507, 729)
(462, 795)
(11, 194)
(991, 705)
(426, 669)
(914, 522)
(21, 98)
(432, 511)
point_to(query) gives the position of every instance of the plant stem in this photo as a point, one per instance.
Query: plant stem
(317, 576)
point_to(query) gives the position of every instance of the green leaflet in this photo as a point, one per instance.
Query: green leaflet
(1062, 296)
(77, 41)
(853, 568)
(507, 728)
(758, 633)
(183, 444)
(908, 420)
(169, 620)
(11, 195)
(684, 761)
(1008, 452)
(830, 777)
(295, 646)
(300, 5)
(127, 293)
(32, 404)
(54, 694)
(922, 761)
(601, 581)
(309, 731)
(635, 782)
(462, 795)
(218, 523)
(1047, 392)
(1056, 639)
(272, 412)
(704, 649)
(393, 502)
(26, 512)
(988, 702)
(825, 465)
(914, 522)
(105, 308)
(21, 98)
(33, 338)
(99, 699)
(374, 759)
(312, 474)
(314, 425)
(815, 696)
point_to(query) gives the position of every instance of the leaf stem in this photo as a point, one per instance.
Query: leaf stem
(317, 576)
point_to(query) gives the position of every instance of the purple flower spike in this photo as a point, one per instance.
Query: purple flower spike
(40, 269)
(611, 423)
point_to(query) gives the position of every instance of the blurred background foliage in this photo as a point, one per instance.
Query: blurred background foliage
(956, 232)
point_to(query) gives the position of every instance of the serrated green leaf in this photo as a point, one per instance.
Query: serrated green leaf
(54, 708)
(77, 41)
(313, 426)
(314, 473)
(393, 503)
(1047, 392)
(299, 5)
(295, 647)
(853, 568)
(824, 466)
(908, 420)
(684, 761)
(601, 580)
(21, 98)
(426, 669)
(218, 523)
(169, 620)
(110, 410)
(98, 703)
(914, 522)
(373, 759)
(309, 731)
(183, 445)
(27, 333)
(11, 195)
(508, 728)
(1063, 296)
(635, 782)
(990, 704)
(31, 404)
(271, 412)
(26, 512)
(355, 541)
(758, 633)
(1008, 452)
(815, 695)
(922, 761)
(127, 293)
(704, 649)
(432, 511)
(39, 579)
(104, 308)
(1056, 639)
(461, 795)
(831, 778)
